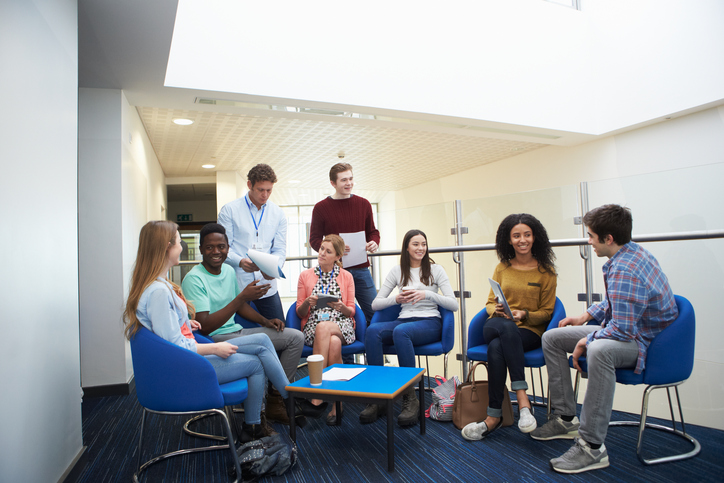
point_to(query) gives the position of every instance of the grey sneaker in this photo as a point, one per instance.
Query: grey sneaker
(410, 410)
(581, 457)
(556, 428)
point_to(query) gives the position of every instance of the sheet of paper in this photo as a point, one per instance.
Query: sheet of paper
(498, 291)
(341, 373)
(357, 243)
(267, 263)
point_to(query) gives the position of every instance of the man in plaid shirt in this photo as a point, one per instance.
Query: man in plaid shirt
(639, 304)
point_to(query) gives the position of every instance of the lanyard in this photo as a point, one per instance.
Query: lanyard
(321, 280)
(256, 226)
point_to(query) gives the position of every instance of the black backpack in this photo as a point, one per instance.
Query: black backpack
(269, 455)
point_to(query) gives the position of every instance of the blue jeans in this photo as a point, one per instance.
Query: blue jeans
(364, 290)
(506, 344)
(604, 356)
(254, 358)
(404, 334)
(271, 307)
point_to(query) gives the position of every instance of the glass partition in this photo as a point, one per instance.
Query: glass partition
(681, 200)
(676, 201)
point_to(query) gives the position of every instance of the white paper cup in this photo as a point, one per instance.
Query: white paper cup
(315, 363)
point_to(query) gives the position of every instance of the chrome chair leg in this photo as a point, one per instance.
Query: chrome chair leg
(227, 430)
(642, 425)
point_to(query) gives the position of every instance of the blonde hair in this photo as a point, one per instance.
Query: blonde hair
(338, 245)
(153, 243)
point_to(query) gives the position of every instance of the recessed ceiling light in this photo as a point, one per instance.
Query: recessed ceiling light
(183, 122)
(208, 166)
(294, 181)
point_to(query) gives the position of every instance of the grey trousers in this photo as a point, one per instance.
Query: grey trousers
(288, 344)
(603, 357)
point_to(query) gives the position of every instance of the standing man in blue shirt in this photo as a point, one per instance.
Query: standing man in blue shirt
(254, 222)
(639, 304)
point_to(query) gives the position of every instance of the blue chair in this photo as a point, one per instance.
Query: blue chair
(247, 324)
(478, 348)
(669, 362)
(438, 348)
(356, 347)
(163, 374)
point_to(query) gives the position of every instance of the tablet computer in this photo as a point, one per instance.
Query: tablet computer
(324, 299)
(498, 291)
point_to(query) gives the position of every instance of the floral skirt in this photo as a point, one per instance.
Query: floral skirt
(345, 327)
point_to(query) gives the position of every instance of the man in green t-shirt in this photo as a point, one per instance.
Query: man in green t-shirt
(213, 289)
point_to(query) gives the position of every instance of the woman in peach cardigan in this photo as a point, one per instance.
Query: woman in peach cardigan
(327, 327)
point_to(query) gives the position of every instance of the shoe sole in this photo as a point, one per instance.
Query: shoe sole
(470, 439)
(370, 420)
(528, 429)
(594, 466)
(569, 435)
(406, 423)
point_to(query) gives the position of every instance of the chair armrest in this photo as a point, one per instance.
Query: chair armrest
(475, 329)
(448, 329)
(293, 320)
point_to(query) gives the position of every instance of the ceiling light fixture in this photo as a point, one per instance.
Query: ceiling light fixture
(374, 117)
(183, 122)
(208, 166)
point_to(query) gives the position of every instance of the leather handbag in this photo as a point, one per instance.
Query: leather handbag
(471, 402)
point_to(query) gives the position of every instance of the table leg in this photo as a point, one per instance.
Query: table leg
(292, 421)
(338, 407)
(422, 406)
(390, 436)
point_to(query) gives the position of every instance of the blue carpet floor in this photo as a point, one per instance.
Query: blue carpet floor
(353, 452)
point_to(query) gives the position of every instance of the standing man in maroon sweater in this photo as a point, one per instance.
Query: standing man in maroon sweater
(344, 212)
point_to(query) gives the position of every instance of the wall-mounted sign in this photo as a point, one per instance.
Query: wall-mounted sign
(188, 217)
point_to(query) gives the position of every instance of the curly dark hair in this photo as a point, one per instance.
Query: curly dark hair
(261, 172)
(541, 251)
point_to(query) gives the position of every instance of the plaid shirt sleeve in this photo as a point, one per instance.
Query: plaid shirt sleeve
(626, 301)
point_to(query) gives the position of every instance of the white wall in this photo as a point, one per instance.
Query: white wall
(669, 174)
(41, 398)
(121, 188)
(99, 218)
(230, 185)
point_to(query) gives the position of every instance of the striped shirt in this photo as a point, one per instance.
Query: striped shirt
(639, 302)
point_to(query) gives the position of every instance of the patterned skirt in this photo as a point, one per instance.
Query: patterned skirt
(345, 326)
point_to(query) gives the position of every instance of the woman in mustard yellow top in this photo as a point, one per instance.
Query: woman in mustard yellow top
(527, 276)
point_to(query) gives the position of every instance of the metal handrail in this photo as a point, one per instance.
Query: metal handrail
(566, 242)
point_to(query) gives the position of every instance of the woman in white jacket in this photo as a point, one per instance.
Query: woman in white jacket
(419, 280)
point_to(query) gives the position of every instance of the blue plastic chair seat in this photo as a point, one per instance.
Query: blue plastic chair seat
(669, 362)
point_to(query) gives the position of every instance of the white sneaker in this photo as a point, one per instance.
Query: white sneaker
(474, 431)
(526, 421)
(478, 431)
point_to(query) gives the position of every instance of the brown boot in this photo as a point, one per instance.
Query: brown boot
(276, 409)
(265, 426)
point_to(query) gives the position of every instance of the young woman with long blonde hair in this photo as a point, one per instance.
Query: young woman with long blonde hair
(157, 304)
